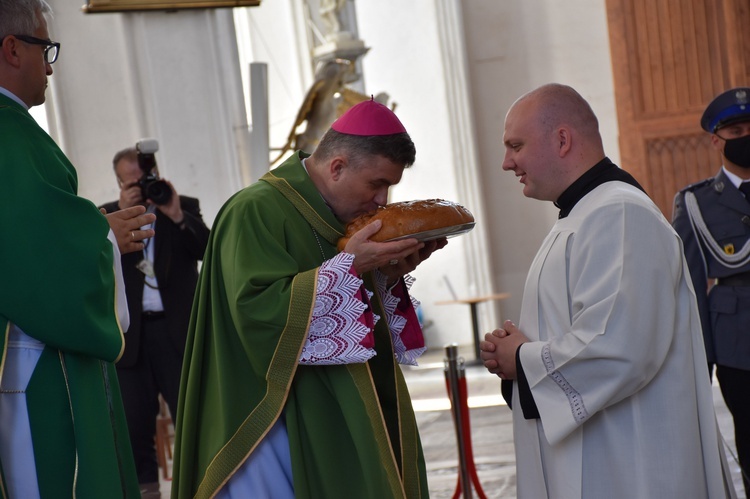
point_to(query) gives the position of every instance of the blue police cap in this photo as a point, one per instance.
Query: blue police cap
(732, 106)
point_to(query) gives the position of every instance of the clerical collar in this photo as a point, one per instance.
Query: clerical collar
(604, 171)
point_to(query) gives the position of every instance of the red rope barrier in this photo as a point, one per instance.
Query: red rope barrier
(463, 394)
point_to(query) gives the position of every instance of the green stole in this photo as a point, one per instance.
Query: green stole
(351, 428)
(58, 286)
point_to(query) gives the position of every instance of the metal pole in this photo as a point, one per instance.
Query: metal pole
(475, 330)
(259, 152)
(453, 372)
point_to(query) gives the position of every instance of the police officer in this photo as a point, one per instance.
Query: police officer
(713, 219)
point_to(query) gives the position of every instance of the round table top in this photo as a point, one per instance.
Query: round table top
(478, 299)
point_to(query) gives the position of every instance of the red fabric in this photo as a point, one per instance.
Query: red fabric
(367, 318)
(368, 118)
(412, 335)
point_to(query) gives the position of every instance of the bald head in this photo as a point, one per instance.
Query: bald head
(560, 105)
(551, 138)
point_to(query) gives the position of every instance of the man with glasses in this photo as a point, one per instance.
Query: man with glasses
(62, 304)
(51, 49)
(713, 219)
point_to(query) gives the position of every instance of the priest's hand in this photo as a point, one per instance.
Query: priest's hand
(369, 255)
(398, 268)
(498, 350)
(126, 225)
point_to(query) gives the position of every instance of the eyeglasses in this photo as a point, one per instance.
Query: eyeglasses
(51, 51)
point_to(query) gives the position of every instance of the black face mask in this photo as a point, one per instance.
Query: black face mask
(738, 151)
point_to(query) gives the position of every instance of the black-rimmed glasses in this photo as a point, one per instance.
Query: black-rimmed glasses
(51, 51)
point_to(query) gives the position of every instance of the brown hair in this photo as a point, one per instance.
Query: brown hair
(129, 153)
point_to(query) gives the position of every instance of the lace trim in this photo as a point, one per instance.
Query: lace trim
(340, 321)
(580, 414)
(406, 351)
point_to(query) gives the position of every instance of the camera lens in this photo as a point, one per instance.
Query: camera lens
(157, 191)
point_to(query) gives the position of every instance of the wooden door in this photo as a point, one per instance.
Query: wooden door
(670, 58)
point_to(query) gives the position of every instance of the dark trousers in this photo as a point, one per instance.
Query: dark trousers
(735, 388)
(156, 371)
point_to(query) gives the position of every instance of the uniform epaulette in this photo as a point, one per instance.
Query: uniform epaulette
(701, 183)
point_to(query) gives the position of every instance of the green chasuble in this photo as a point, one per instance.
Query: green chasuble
(352, 431)
(57, 284)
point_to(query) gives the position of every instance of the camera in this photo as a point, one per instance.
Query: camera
(152, 187)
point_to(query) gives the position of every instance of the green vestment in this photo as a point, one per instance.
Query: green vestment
(57, 283)
(351, 428)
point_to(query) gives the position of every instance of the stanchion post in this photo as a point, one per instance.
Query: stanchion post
(452, 375)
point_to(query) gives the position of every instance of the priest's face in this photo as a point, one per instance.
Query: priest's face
(357, 189)
(33, 67)
(530, 151)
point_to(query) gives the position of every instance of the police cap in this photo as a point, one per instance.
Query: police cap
(732, 106)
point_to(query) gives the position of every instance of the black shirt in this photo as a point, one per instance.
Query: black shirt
(604, 171)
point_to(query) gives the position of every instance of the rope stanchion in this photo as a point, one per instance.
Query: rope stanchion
(455, 379)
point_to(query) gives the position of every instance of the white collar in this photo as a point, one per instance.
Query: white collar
(736, 181)
(13, 96)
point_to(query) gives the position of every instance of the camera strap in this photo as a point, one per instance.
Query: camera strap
(146, 265)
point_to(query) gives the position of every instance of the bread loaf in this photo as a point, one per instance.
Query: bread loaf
(409, 217)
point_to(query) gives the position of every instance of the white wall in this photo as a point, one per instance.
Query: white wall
(513, 48)
(274, 34)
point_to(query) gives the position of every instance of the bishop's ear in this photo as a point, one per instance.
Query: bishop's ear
(336, 167)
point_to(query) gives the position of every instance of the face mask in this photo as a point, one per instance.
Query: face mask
(738, 151)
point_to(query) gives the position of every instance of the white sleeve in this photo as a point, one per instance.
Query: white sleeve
(121, 302)
(341, 318)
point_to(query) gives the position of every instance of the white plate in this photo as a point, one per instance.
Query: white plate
(429, 235)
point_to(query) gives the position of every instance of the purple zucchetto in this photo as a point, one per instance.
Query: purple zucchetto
(369, 118)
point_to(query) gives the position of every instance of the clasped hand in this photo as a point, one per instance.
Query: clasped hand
(394, 259)
(498, 350)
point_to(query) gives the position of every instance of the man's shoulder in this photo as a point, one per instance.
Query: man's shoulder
(706, 183)
(257, 197)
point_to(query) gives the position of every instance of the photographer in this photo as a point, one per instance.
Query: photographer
(160, 282)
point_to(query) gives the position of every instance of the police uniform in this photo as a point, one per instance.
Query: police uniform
(713, 219)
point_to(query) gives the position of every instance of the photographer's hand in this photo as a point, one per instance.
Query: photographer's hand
(173, 209)
(130, 195)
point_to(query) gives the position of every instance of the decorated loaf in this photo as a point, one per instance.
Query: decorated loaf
(409, 217)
